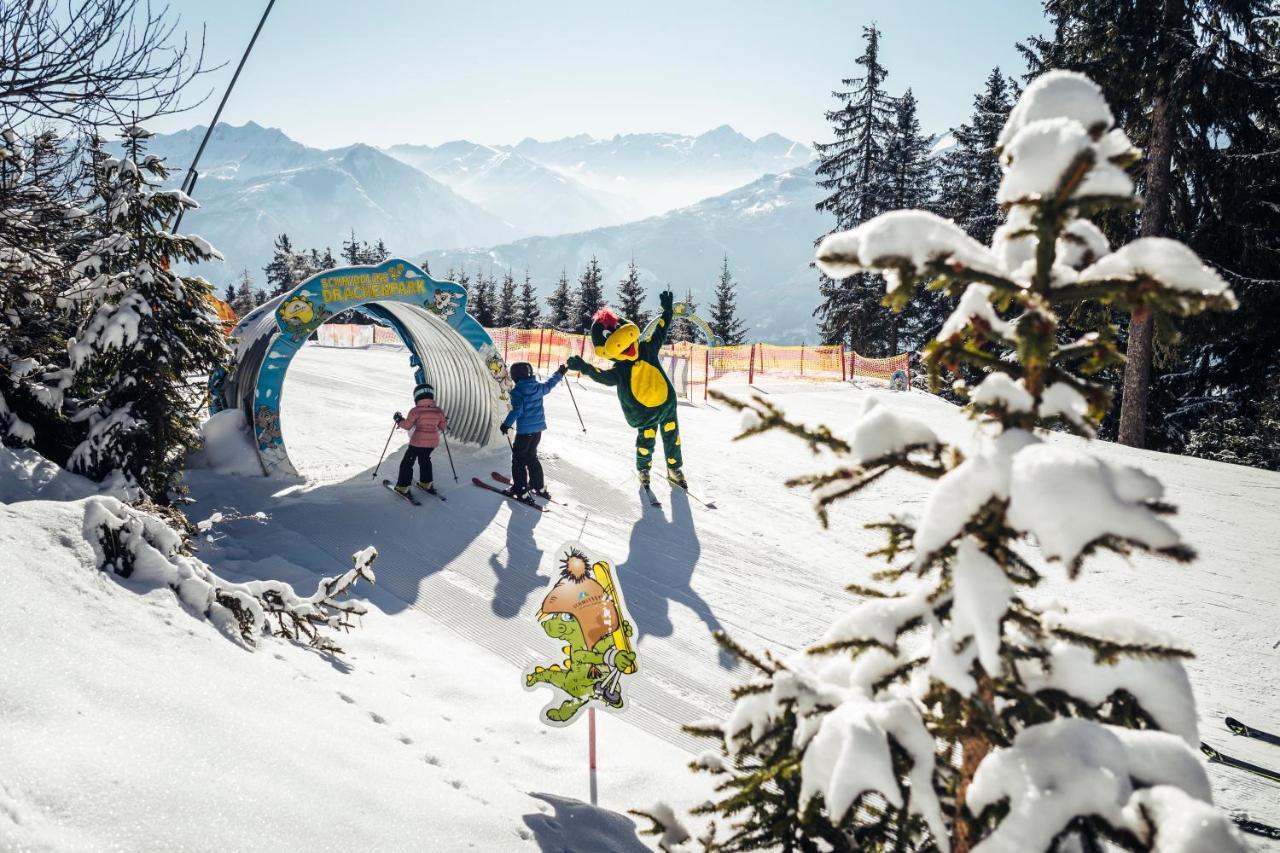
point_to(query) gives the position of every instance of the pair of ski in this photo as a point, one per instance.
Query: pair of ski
(1239, 728)
(654, 502)
(506, 481)
(408, 496)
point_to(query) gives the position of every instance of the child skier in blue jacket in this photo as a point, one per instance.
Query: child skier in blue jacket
(529, 420)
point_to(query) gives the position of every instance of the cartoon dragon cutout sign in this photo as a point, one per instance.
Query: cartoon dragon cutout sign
(584, 610)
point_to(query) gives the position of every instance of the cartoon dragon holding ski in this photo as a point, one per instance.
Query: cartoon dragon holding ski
(585, 611)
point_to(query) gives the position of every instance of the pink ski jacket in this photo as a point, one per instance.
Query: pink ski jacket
(424, 422)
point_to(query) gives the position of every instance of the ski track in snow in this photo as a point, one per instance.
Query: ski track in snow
(759, 567)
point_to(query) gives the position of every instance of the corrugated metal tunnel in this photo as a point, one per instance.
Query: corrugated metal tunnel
(447, 348)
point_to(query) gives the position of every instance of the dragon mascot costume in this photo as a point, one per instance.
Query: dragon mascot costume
(647, 396)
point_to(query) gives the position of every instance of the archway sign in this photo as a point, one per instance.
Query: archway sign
(447, 347)
(681, 310)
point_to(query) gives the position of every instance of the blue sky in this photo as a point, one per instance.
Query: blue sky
(385, 71)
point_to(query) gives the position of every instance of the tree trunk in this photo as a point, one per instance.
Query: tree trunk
(973, 748)
(1155, 223)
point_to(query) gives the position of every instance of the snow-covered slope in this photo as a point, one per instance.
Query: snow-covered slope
(765, 227)
(663, 171)
(532, 197)
(424, 732)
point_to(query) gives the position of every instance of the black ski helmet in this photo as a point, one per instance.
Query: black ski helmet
(521, 370)
(424, 390)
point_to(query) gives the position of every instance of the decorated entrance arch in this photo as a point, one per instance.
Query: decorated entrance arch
(447, 347)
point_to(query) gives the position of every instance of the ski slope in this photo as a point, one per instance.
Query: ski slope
(759, 566)
(422, 736)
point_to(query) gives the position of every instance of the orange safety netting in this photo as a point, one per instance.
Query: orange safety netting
(694, 366)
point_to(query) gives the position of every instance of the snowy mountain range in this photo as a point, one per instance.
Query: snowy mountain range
(766, 228)
(255, 182)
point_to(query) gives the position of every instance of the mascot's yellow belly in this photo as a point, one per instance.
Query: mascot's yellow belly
(648, 385)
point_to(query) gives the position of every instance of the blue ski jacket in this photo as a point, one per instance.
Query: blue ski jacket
(526, 404)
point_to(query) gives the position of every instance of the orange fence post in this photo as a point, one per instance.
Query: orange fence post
(541, 332)
(751, 365)
(843, 375)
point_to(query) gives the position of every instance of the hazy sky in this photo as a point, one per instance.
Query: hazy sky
(331, 73)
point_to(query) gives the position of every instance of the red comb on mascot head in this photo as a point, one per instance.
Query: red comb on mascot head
(645, 392)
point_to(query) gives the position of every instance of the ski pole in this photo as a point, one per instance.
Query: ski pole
(384, 450)
(575, 405)
(450, 454)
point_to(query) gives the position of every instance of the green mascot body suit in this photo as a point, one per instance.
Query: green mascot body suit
(647, 396)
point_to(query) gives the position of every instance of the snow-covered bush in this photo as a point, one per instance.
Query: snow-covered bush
(145, 549)
(36, 220)
(148, 334)
(956, 712)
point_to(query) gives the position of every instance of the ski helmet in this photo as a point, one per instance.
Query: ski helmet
(424, 390)
(581, 596)
(521, 370)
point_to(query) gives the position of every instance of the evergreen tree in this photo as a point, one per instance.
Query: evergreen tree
(561, 304)
(149, 331)
(259, 297)
(910, 183)
(242, 301)
(724, 320)
(959, 712)
(287, 268)
(377, 253)
(851, 168)
(589, 298)
(527, 313)
(970, 176)
(230, 295)
(39, 224)
(1194, 186)
(353, 251)
(507, 312)
(631, 296)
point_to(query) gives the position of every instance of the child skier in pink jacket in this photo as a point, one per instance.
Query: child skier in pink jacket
(425, 422)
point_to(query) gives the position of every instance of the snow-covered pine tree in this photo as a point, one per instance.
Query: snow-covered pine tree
(631, 296)
(851, 168)
(589, 298)
(287, 268)
(35, 227)
(724, 313)
(957, 712)
(682, 331)
(506, 312)
(375, 254)
(561, 304)
(150, 332)
(242, 302)
(528, 314)
(353, 250)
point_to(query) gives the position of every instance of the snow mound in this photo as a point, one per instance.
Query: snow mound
(227, 446)
(880, 432)
(25, 475)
